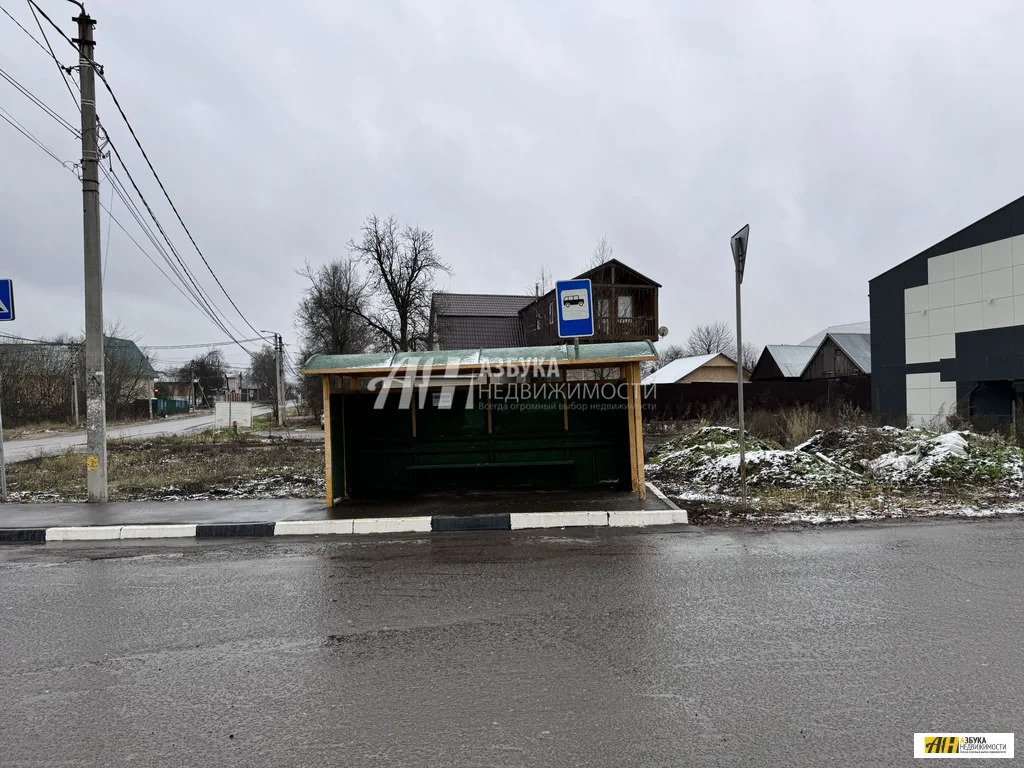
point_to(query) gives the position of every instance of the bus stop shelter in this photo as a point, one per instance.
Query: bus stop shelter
(551, 417)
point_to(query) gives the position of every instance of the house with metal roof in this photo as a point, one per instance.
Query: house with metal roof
(625, 309)
(835, 352)
(697, 368)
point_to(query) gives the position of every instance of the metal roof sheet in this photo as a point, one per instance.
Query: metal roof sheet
(680, 368)
(455, 332)
(792, 359)
(479, 304)
(626, 351)
(857, 347)
(816, 339)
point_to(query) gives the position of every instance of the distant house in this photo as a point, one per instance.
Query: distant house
(471, 320)
(240, 388)
(625, 309)
(836, 352)
(129, 373)
(687, 370)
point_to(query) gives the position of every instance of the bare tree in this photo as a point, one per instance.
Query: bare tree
(263, 375)
(206, 372)
(710, 339)
(750, 355)
(331, 314)
(544, 281)
(401, 263)
(602, 252)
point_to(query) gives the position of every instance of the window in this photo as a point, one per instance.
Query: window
(551, 313)
(603, 311)
(625, 306)
(538, 319)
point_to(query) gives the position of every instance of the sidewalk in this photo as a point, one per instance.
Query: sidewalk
(442, 512)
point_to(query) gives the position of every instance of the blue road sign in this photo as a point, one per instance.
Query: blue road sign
(575, 308)
(6, 299)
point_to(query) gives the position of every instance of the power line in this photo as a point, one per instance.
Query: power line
(7, 116)
(35, 7)
(31, 36)
(40, 103)
(49, 48)
(4, 115)
(199, 346)
(201, 296)
(163, 189)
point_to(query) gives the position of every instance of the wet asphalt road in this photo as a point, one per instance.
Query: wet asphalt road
(597, 648)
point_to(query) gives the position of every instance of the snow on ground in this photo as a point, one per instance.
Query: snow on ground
(843, 475)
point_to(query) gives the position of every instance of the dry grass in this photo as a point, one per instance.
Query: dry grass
(788, 427)
(180, 466)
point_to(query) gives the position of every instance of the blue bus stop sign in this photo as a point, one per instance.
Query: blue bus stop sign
(6, 299)
(575, 308)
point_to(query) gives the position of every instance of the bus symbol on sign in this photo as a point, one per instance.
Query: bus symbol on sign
(575, 314)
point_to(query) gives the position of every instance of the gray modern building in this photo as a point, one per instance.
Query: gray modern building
(948, 327)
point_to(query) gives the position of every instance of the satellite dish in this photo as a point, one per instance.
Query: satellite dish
(663, 331)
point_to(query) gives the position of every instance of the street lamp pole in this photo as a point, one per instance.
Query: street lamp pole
(739, 255)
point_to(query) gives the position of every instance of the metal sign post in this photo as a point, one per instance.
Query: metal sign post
(739, 255)
(6, 313)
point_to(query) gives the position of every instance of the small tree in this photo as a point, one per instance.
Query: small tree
(263, 375)
(207, 370)
(602, 252)
(710, 339)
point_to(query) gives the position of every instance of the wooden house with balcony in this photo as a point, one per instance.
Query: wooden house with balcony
(625, 309)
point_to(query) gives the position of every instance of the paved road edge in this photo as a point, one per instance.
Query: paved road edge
(426, 524)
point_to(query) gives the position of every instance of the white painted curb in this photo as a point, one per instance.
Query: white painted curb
(172, 531)
(312, 527)
(643, 519)
(84, 533)
(526, 520)
(657, 492)
(392, 525)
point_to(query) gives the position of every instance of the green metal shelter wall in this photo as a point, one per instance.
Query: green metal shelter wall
(528, 445)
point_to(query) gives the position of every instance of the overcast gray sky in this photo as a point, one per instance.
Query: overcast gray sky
(849, 135)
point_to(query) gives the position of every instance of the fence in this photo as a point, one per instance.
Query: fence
(664, 402)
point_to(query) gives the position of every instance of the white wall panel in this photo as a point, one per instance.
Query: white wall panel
(967, 289)
(921, 380)
(997, 255)
(997, 313)
(919, 400)
(967, 317)
(917, 325)
(967, 262)
(940, 268)
(997, 284)
(940, 321)
(942, 346)
(1017, 246)
(918, 350)
(916, 299)
(940, 294)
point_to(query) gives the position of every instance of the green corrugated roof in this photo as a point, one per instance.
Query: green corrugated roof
(564, 353)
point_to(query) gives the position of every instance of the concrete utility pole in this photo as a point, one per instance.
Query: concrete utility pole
(95, 389)
(74, 397)
(280, 380)
(3, 465)
(279, 372)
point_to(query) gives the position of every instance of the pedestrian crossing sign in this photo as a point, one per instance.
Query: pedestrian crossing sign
(6, 299)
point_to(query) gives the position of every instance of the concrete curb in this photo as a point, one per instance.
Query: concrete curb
(514, 521)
